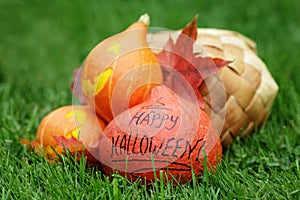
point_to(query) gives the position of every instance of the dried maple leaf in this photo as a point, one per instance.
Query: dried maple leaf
(193, 69)
(72, 143)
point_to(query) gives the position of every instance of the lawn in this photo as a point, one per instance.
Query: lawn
(42, 42)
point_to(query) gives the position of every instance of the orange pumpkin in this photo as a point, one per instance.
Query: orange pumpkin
(164, 133)
(120, 71)
(73, 127)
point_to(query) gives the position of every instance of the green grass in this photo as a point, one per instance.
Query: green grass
(42, 42)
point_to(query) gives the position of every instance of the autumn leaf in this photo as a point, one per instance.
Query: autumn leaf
(72, 143)
(183, 70)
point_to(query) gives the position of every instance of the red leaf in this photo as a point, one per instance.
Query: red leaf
(179, 57)
(72, 144)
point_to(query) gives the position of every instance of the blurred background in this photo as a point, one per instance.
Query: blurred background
(42, 42)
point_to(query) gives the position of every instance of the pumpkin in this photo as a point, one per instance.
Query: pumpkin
(69, 127)
(120, 71)
(165, 133)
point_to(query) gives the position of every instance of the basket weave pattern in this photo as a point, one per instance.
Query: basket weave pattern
(250, 88)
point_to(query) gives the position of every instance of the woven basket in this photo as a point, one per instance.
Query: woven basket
(249, 87)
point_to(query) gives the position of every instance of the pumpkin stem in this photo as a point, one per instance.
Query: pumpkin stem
(145, 19)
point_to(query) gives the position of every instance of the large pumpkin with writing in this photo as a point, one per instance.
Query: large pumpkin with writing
(120, 71)
(164, 133)
(68, 128)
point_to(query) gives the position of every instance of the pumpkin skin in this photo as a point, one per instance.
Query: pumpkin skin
(120, 71)
(72, 125)
(164, 133)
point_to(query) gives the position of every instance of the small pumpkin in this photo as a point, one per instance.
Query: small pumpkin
(120, 71)
(165, 133)
(69, 127)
